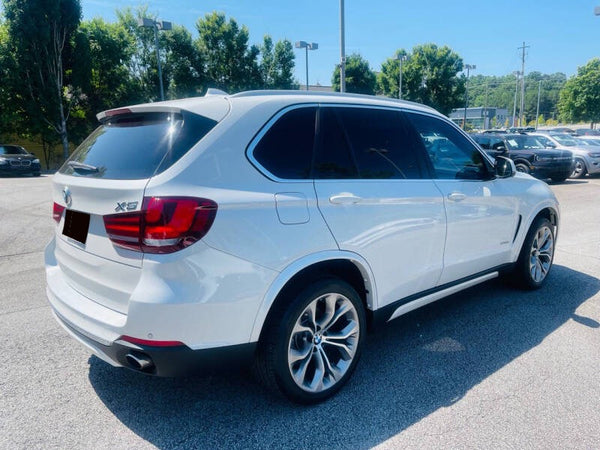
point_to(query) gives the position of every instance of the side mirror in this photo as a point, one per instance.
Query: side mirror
(550, 145)
(505, 167)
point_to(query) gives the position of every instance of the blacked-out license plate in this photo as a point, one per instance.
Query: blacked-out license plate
(76, 225)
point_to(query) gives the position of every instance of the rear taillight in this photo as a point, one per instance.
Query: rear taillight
(57, 211)
(164, 225)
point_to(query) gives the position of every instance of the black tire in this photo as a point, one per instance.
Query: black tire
(524, 273)
(522, 168)
(280, 339)
(579, 169)
(559, 179)
(36, 174)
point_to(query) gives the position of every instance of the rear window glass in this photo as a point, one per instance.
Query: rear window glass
(137, 146)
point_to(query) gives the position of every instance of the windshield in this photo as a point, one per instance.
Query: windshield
(12, 150)
(565, 139)
(523, 142)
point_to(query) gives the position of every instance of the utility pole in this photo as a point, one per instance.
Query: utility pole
(522, 112)
(516, 74)
(537, 112)
(342, 50)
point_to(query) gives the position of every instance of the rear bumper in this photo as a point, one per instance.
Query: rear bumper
(166, 361)
(210, 312)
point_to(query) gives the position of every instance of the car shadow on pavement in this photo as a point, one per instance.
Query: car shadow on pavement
(417, 364)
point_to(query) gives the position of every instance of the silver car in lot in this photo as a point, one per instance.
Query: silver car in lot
(586, 157)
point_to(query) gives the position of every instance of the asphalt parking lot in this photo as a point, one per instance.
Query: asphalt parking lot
(492, 367)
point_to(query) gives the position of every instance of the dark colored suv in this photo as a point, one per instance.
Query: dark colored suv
(529, 155)
(15, 160)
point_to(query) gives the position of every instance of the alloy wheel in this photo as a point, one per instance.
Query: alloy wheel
(323, 342)
(542, 250)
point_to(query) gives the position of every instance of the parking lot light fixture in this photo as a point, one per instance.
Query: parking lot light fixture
(597, 10)
(156, 25)
(307, 46)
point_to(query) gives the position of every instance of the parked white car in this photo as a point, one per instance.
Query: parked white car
(272, 227)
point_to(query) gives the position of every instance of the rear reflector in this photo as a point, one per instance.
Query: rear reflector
(164, 225)
(57, 211)
(149, 343)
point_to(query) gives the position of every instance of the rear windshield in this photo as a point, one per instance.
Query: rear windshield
(137, 146)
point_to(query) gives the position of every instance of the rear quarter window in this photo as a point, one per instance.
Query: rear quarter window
(286, 148)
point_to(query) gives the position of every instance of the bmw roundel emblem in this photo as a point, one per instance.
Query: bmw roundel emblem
(67, 196)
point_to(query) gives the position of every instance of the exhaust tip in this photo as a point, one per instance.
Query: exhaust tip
(139, 361)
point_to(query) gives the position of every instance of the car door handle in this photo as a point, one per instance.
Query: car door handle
(456, 196)
(344, 198)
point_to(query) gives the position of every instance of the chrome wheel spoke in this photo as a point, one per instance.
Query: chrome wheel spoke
(298, 355)
(300, 374)
(343, 309)
(348, 331)
(330, 303)
(346, 350)
(332, 370)
(317, 382)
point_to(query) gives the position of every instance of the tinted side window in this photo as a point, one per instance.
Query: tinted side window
(286, 149)
(379, 143)
(367, 143)
(333, 158)
(451, 154)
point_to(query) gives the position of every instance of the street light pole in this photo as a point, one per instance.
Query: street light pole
(156, 25)
(468, 67)
(537, 112)
(342, 50)
(400, 59)
(162, 90)
(307, 46)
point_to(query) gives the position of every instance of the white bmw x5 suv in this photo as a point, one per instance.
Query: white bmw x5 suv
(274, 227)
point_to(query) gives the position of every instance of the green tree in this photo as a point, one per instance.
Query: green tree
(499, 92)
(230, 63)
(184, 67)
(40, 33)
(104, 51)
(8, 113)
(360, 79)
(430, 77)
(277, 64)
(580, 98)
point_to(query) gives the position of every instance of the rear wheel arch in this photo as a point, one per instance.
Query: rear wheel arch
(352, 270)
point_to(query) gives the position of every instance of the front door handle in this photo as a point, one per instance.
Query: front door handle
(345, 198)
(456, 196)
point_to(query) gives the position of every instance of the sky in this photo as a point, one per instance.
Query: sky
(562, 34)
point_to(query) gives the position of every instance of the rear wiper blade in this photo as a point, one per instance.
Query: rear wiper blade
(75, 165)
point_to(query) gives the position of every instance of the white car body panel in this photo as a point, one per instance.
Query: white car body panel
(396, 225)
(481, 223)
